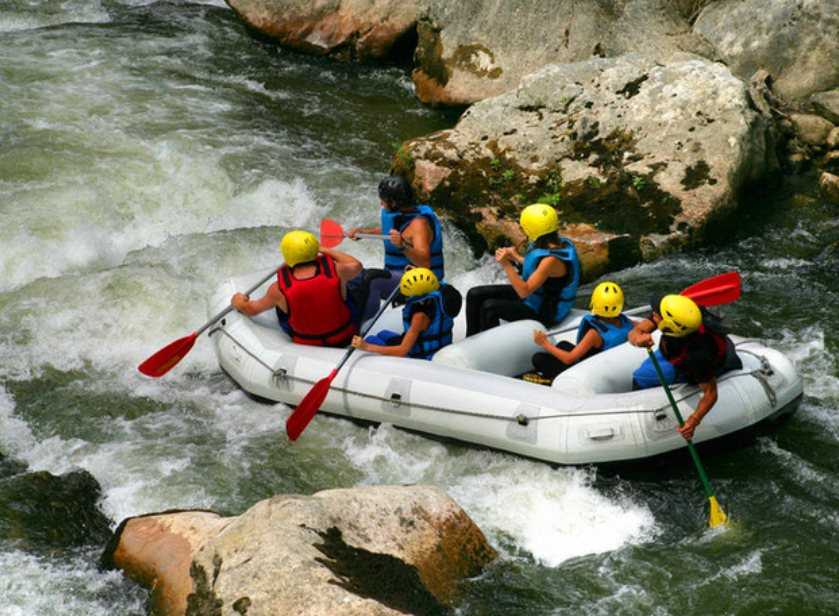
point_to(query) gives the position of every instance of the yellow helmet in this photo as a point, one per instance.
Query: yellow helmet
(607, 300)
(418, 281)
(299, 247)
(680, 316)
(538, 219)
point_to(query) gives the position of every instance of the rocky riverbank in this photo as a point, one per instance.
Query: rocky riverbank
(644, 121)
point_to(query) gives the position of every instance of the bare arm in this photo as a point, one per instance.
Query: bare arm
(346, 266)
(352, 233)
(415, 242)
(273, 298)
(708, 400)
(641, 334)
(419, 323)
(592, 340)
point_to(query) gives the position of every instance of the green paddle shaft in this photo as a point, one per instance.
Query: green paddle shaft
(693, 453)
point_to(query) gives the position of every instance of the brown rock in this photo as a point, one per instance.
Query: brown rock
(829, 187)
(156, 552)
(345, 29)
(378, 551)
(812, 129)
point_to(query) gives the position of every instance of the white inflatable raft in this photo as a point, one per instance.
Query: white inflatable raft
(469, 391)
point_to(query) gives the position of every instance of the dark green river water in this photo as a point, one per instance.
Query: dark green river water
(148, 151)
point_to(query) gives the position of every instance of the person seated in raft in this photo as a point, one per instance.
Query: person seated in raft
(606, 327)
(416, 240)
(427, 317)
(545, 289)
(690, 350)
(310, 294)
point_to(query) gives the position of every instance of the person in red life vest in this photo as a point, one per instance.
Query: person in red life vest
(606, 327)
(310, 294)
(689, 351)
(416, 240)
(427, 318)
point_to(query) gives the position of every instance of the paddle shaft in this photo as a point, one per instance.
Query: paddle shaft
(675, 408)
(169, 356)
(230, 308)
(366, 329)
(360, 236)
(310, 404)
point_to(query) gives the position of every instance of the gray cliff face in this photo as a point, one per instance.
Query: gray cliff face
(471, 51)
(796, 41)
(640, 158)
(644, 120)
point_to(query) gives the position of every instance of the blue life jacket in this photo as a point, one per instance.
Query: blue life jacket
(554, 299)
(395, 259)
(439, 331)
(612, 335)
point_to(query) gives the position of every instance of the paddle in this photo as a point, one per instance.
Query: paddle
(718, 517)
(722, 289)
(168, 357)
(310, 404)
(332, 234)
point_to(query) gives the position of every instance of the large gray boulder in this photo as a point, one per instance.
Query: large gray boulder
(469, 51)
(641, 158)
(382, 551)
(797, 41)
(344, 29)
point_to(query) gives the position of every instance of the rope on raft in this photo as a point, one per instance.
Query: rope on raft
(762, 374)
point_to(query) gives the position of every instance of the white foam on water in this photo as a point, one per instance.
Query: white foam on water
(43, 13)
(273, 203)
(751, 565)
(552, 514)
(16, 437)
(30, 585)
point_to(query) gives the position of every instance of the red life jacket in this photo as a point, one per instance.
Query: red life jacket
(317, 314)
(679, 359)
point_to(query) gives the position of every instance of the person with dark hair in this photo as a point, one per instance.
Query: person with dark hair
(547, 285)
(415, 239)
(690, 350)
(310, 294)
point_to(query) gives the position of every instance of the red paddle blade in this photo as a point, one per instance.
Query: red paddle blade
(308, 407)
(167, 358)
(714, 291)
(331, 233)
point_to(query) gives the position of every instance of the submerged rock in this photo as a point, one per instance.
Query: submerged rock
(385, 550)
(640, 158)
(42, 512)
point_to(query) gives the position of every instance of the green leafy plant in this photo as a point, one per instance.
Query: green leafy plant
(553, 186)
(495, 163)
(639, 183)
(552, 199)
(402, 153)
